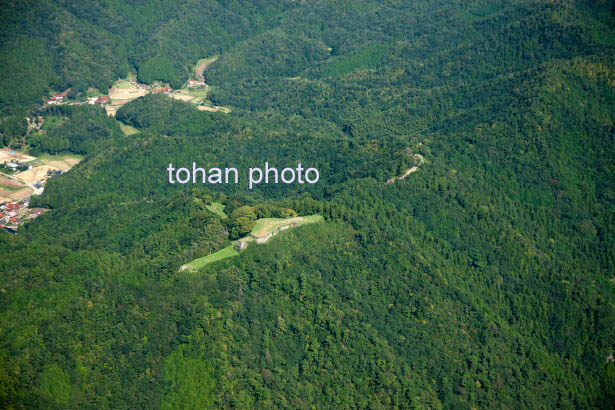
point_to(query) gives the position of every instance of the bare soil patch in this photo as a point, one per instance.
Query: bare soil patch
(182, 97)
(19, 195)
(126, 93)
(72, 161)
(8, 155)
(111, 110)
(417, 157)
(206, 108)
(61, 165)
(35, 174)
(4, 195)
(6, 181)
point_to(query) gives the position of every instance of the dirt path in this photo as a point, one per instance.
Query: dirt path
(198, 71)
(419, 158)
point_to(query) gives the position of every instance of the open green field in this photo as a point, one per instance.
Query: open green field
(227, 252)
(125, 82)
(124, 85)
(207, 60)
(217, 208)
(68, 158)
(198, 93)
(265, 226)
(9, 187)
(128, 129)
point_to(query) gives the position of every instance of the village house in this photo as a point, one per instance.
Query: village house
(103, 99)
(55, 99)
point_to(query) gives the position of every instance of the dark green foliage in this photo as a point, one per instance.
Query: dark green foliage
(158, 69)
(241, 221)
(366, 58)
(482, 280)
(166, 116)
(77, 129)
(27, 73)
(271, 54)
(13, 130)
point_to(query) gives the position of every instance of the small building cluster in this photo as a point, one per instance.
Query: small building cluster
(102, 100)
(55, 99)
(12, 215)
(17, 166)
(40, 184)
(15, 214)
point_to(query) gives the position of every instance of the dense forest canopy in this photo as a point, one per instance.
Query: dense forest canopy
(484, 279)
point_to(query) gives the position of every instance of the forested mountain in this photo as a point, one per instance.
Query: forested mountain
(484, 279)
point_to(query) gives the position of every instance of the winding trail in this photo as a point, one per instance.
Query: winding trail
(415, 168)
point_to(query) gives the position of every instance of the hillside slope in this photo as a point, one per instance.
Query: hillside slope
(484, 279)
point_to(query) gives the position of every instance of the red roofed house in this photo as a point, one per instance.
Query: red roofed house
(162, 90)
(56, 98)
(103, 99)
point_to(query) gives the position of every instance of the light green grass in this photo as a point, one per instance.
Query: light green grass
(262, 228)
(198, 93)
(207, 60)
(265, 226)
(217, 208)
(11, 188)
(202, 65)
(124, 85)
(367, 58)
(128, 129)
(46, 158)
(93, 92)
(227, 252)
(49, 157)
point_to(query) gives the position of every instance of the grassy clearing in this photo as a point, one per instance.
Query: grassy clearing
(198, 93)
(227, 252)
(93, 92)
(367, 58)
(207, 61)
(124, 85)
(217, 208)
(10, 187)
(128, 129)
(265, 226)
(70, 159)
